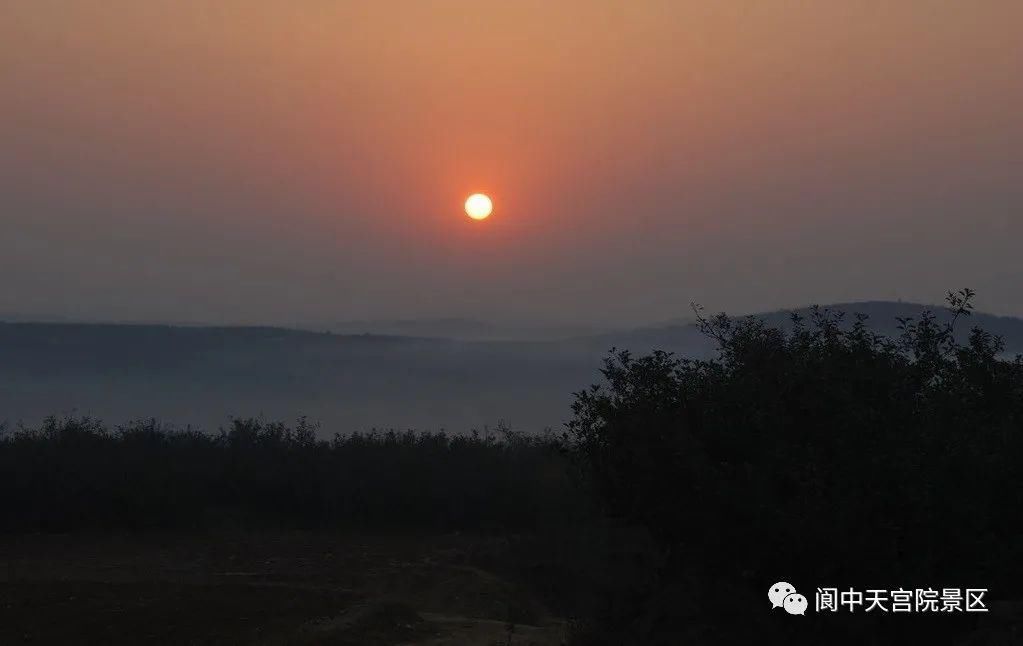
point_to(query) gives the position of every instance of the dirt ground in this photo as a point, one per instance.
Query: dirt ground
(271, 588)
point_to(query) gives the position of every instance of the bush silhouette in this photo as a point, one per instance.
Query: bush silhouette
(822, 454)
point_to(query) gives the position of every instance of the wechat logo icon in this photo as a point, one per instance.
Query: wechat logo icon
(784, 595)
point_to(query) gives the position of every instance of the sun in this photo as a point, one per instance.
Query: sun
(478, 206)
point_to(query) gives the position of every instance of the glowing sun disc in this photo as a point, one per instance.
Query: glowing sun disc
(478, 206)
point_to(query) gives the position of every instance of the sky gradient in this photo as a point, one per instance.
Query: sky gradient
(295, 162)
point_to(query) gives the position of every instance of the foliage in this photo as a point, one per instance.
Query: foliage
(76, 473)
(825, 455)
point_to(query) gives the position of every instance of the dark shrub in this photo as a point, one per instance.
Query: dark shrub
(821, 454)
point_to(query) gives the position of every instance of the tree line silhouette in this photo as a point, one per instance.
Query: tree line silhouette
(75, 473)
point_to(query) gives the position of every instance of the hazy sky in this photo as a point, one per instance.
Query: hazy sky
(305, 160)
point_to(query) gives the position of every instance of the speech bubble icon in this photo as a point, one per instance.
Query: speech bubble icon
(795, 604)
(778, 592)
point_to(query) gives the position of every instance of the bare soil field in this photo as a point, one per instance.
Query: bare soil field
(266, 588)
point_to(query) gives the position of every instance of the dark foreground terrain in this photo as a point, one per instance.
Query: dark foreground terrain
(822, 454)
(283, 587)
(317, 588)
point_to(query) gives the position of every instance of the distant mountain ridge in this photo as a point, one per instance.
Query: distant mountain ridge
(882, 317)
(465, 329)
(204, 375)
(441, 327)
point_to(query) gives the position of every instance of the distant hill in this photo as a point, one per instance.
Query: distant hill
(204, 375)
(451, 328)
(882, 317)
(457, 328)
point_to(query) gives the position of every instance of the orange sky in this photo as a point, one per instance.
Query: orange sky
(278, 161)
